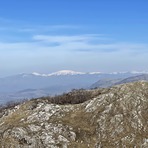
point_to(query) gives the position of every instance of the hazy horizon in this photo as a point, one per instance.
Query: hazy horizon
(87, 36)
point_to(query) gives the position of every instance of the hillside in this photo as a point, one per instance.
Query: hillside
(104, 83)
(110, 118)
(143, 77)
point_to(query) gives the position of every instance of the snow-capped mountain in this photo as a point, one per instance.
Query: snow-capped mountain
(131, 72)
(139, 72)
(59, 73)
(66, 72)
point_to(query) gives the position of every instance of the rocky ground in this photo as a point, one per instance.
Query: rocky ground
(112, 118)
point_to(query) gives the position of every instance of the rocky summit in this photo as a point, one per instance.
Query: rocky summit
(115, 117)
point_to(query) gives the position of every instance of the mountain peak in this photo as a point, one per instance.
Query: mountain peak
(65, 72)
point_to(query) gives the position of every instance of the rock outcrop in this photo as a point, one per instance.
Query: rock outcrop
(115, 118)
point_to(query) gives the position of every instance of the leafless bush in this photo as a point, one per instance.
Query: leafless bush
(73, 97)
(11, 104)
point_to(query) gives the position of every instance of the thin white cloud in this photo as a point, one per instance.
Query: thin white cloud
(67, 38)
(21, 28)
(75, 43)
(25, 27)
(46, 28)
(89, 42)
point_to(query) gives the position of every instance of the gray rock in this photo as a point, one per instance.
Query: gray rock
(116, 117)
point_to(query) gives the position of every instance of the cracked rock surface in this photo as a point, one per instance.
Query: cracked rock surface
(115, 118)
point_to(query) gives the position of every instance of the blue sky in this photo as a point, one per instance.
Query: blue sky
(81, 35)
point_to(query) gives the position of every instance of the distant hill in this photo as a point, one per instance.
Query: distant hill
(134, 79)
(104, 83)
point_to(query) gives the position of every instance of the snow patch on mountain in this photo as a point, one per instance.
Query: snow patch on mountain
(139, 72)
(93, 73)
(70, 72)
(38, 74)
(59, 73)
(66, 72)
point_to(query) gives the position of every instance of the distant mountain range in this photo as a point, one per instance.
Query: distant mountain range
(36, 85)
(70, 72)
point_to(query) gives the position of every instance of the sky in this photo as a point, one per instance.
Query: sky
(45, 36)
